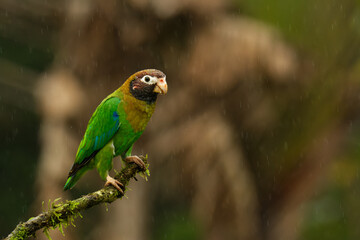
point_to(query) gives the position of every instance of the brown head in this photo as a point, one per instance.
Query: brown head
(145, 85)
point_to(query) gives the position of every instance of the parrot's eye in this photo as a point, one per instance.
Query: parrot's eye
(149, 79)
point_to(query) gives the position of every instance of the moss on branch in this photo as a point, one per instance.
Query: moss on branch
(63, 214)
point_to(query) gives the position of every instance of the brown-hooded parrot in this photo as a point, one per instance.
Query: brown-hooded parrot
(116, 124)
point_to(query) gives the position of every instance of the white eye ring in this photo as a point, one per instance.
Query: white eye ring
(149, 79)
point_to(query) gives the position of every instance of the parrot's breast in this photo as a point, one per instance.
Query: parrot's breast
(134, 116)
(138, 113)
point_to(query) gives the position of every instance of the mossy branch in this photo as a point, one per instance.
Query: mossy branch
(63, 214)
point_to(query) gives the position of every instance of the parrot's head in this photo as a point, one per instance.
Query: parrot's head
(145, 85)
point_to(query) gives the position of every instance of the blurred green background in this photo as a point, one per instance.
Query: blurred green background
(258, 137)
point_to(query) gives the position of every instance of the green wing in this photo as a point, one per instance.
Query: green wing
(102, 126)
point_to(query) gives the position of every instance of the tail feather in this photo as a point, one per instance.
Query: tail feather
(78, 169)
(71, 181)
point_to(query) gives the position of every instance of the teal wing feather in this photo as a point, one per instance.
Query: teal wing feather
(102, 126)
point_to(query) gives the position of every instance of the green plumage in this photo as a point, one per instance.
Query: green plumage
(116, 124)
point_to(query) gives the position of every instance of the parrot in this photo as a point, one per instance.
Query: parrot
(116, 124)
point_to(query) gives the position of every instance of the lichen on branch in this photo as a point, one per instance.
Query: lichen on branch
(63, 214)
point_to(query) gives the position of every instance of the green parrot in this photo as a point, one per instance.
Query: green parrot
(116, 124)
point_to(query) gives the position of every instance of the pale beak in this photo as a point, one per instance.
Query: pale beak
(161, 86)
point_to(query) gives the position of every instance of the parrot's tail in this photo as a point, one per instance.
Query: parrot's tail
(71, 181)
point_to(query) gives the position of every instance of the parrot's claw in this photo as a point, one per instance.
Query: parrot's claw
(115, 183)
(137, 161)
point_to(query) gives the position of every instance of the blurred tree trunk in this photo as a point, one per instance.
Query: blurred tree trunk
(60, 98)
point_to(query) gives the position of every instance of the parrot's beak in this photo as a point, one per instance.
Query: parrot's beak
(161, 86)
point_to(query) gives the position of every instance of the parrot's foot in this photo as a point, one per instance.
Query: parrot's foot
(137, 161)
(115, 183)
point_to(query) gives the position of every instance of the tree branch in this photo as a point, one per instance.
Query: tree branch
(63, 214)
